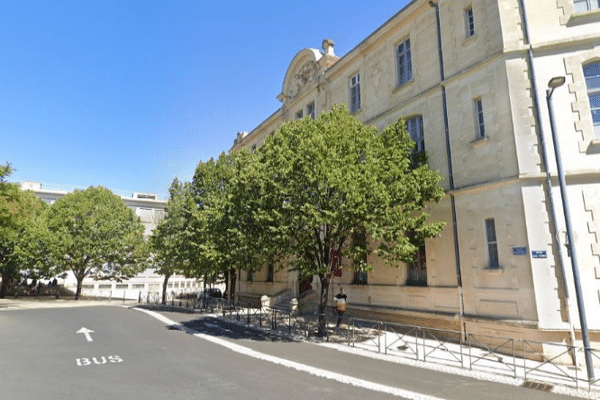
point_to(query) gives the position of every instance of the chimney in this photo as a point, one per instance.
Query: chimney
(328, 47)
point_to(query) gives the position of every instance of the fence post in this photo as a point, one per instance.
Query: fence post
(424, 346)
(514, 359)
(140, 297)
(470, 364)
(379, 337)
(524, 361)
(417, 344)
(385, 338)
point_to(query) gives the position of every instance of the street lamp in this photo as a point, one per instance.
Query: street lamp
(555, 82)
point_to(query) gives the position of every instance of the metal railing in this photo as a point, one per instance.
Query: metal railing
(187, 301)
(273, 319)
(517, 358)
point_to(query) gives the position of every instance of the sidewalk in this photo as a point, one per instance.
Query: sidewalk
(431, 351)
(34, 302)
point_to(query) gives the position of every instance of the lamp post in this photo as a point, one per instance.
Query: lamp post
(553, 84)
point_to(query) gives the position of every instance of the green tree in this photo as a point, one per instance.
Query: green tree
(327, 180)
(170, 242)
(20, 230)
(226, 234)
(96, 233)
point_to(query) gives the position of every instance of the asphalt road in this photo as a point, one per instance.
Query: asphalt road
(131, 355)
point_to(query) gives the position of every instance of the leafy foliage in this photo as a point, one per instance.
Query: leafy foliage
(225, 234)
(92, 229)
(328, 179)
(170, 241)
(21, 232)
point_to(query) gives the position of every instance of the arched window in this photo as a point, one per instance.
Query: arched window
(592, 81)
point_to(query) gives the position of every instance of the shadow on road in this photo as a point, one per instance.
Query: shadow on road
(210, 325)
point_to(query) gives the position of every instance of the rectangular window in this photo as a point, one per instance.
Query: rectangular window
(586, 5)
(470, 24)
(415, 129)
(592, 81)
(492, 243)
(250, 276)
(359, 239)
(299, 114)
(310, 110)
(480, 121)
(355, 93)
(404, 62)
(417, 270)
(271, 272)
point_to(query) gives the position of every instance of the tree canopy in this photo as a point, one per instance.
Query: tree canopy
(170, 241)
(224, 232)
(329, 179)
(21, 230)
(94, 231)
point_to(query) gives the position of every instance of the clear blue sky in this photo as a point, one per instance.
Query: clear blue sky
(130, 94)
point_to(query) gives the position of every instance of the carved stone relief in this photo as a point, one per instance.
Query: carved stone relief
(305, 75)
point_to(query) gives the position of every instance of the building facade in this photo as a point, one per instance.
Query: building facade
(151, 210)
(470, 78)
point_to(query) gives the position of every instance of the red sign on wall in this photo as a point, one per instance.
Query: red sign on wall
(336, 263)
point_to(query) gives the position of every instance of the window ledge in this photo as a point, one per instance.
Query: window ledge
(493, 271)
(403, 85)
(356, 111)
(584, 17)
(594, 146)
(479, 142)
(469, 40)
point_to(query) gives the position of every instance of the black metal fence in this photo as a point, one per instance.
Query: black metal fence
(187, 301)
(516, 358)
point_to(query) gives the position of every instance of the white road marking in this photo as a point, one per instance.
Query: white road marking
(298, 366)
(82, 362)
(86, 332)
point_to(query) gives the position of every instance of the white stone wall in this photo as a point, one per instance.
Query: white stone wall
(500, 176)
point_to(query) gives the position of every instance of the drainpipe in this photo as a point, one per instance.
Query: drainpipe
(548, 185)
(461, 310)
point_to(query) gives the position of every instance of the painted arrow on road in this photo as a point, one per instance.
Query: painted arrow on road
(86, 332)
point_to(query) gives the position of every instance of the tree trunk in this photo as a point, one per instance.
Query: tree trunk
(228, 289)
(164, 288)
(323, 299)
(79, 285)
(4, 286)
(9, 277)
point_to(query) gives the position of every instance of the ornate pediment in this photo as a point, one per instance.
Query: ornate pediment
(305, 69)
(305, 75)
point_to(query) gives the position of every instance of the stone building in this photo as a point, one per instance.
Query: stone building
(470, 78)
